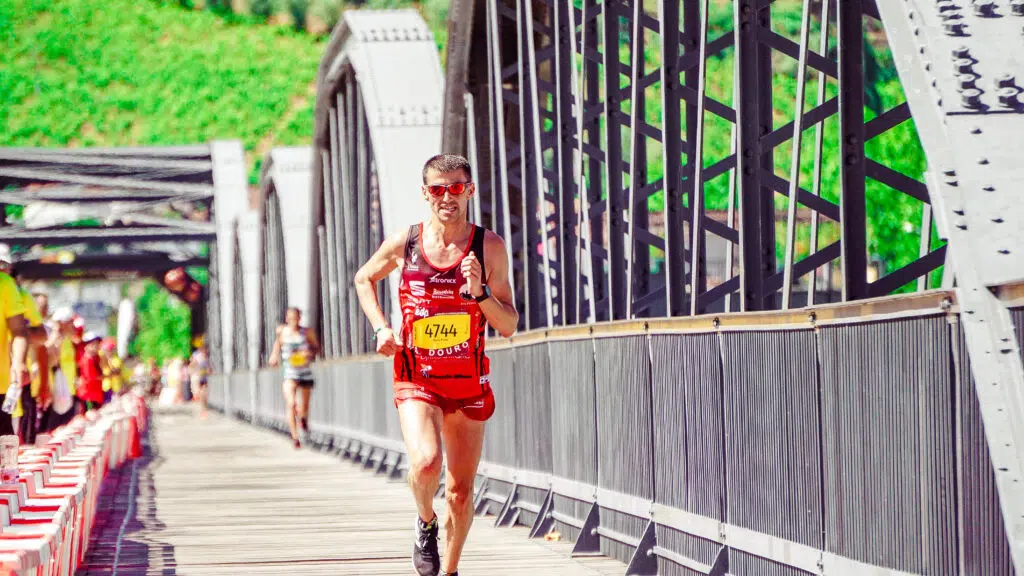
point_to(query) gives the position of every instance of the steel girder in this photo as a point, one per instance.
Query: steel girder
(250, 233)
(561, 101)
(960, 66)
(118, 199)
(231, 199)
(378, 118)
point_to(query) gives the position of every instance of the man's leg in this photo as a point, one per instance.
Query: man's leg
(421, 429)
(288, 388)
(302, 394)
(463, 442)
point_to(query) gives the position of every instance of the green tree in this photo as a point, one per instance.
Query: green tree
(164, 325)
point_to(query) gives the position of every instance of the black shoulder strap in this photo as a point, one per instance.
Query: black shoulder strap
(477, 247)
(412, 241)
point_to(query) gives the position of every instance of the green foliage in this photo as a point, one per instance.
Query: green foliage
(133, 72)
(164, 325)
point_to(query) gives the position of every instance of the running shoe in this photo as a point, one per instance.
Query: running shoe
(297, 443)
(425, 557)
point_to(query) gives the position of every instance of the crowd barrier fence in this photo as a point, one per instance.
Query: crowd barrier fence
(46, 518)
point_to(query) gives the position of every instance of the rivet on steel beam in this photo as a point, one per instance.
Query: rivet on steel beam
(958, 211)
(946, 6)
(997, 220)
(989, 188)
(983, 161)
(1017, 7)
(960, 52)
(949, 172)
(961, 225)
(1008, 97)
(967, 81)
(954, 27)
(976, 130)
(971, 98)
(1003, 251)
(1006, 81)
(985, 7)
(963, 66)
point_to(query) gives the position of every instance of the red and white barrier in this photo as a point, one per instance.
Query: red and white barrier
(46, 519)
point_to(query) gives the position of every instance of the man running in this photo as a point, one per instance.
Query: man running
(199, 372)
(454, 282)
(299, 346)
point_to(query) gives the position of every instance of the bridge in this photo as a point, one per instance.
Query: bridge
(712, 375)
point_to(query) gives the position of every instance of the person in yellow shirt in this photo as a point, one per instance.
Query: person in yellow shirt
(28, 408)
(112, 367)
(13, 329)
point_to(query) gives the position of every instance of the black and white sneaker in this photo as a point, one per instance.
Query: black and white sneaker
(425, 557)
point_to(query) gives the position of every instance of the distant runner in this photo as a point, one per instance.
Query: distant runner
(298, 346)
(199, 371)
(454, 283)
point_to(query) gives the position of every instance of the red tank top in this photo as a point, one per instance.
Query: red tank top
(443, 329)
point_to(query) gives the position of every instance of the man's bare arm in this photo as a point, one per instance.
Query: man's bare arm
(387, 258)
(275, 352)
(313, 342)
(500, 308)
(19, 342)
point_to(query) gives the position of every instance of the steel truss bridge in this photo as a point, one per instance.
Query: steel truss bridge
(712, 375)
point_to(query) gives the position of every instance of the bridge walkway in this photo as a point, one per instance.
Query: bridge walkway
(221, 497)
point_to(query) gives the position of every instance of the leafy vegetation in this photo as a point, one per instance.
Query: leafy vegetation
(129, 72)
(164, 325)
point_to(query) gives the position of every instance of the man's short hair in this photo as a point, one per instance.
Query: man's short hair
(443, 163)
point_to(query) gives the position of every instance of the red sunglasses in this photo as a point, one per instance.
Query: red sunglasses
(455, 189)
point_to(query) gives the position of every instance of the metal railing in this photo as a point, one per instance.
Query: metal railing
(840, 440)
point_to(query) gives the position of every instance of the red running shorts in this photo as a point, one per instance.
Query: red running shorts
(479, 407)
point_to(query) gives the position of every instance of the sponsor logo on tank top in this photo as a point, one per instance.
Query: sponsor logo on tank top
(440, 279)
(417, 288)
(443, 293)
(421, 312)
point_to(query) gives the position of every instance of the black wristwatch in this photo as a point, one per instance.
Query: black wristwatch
(485, 295)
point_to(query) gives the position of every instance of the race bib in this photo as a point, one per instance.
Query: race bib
(442, 331)
(297, 360)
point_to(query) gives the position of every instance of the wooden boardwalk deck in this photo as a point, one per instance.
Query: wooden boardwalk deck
(222, 497)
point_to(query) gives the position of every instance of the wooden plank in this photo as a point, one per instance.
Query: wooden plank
(219, 497)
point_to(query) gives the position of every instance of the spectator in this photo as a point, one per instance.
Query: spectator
(12, 328)
(38, 363)
(90, 374)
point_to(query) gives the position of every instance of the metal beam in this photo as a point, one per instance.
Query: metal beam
(38, 175)
(104, 235)
(59, 193)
